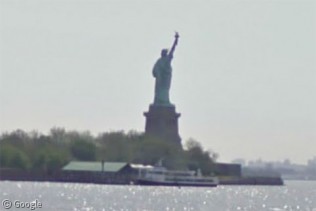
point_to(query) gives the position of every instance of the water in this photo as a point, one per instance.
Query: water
(295, 195)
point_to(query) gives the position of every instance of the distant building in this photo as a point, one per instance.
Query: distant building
(228, 169)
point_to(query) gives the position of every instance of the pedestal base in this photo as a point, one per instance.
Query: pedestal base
(162, 122)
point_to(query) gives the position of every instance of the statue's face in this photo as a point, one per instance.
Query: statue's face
(164, 52)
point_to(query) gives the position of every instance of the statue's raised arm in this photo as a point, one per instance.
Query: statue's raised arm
(176, 36)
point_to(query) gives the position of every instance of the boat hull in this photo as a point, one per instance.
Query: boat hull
(178, 184)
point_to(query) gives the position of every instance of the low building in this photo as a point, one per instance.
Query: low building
(98, 172)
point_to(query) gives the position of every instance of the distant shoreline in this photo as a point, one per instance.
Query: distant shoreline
(29, 176)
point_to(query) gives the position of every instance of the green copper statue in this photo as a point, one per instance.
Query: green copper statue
(162, 71)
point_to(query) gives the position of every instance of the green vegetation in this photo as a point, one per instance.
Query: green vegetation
(48, 153)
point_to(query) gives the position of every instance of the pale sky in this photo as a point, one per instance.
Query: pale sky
(244, 72)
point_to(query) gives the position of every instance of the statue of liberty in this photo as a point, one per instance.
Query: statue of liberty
(162, 71)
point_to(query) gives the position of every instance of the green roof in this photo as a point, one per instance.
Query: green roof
(94, 166)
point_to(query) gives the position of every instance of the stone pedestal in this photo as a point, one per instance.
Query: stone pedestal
(162, 122)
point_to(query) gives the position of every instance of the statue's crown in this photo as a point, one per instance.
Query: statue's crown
(164, 51)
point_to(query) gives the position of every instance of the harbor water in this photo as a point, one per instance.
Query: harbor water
(294, 195)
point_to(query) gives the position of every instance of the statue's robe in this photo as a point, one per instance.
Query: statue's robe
(162, 71)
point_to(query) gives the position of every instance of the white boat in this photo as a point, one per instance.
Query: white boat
(162, 176)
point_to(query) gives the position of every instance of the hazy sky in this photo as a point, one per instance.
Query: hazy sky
(244, 72)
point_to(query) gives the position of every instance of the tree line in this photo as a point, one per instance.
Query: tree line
(34, 151)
